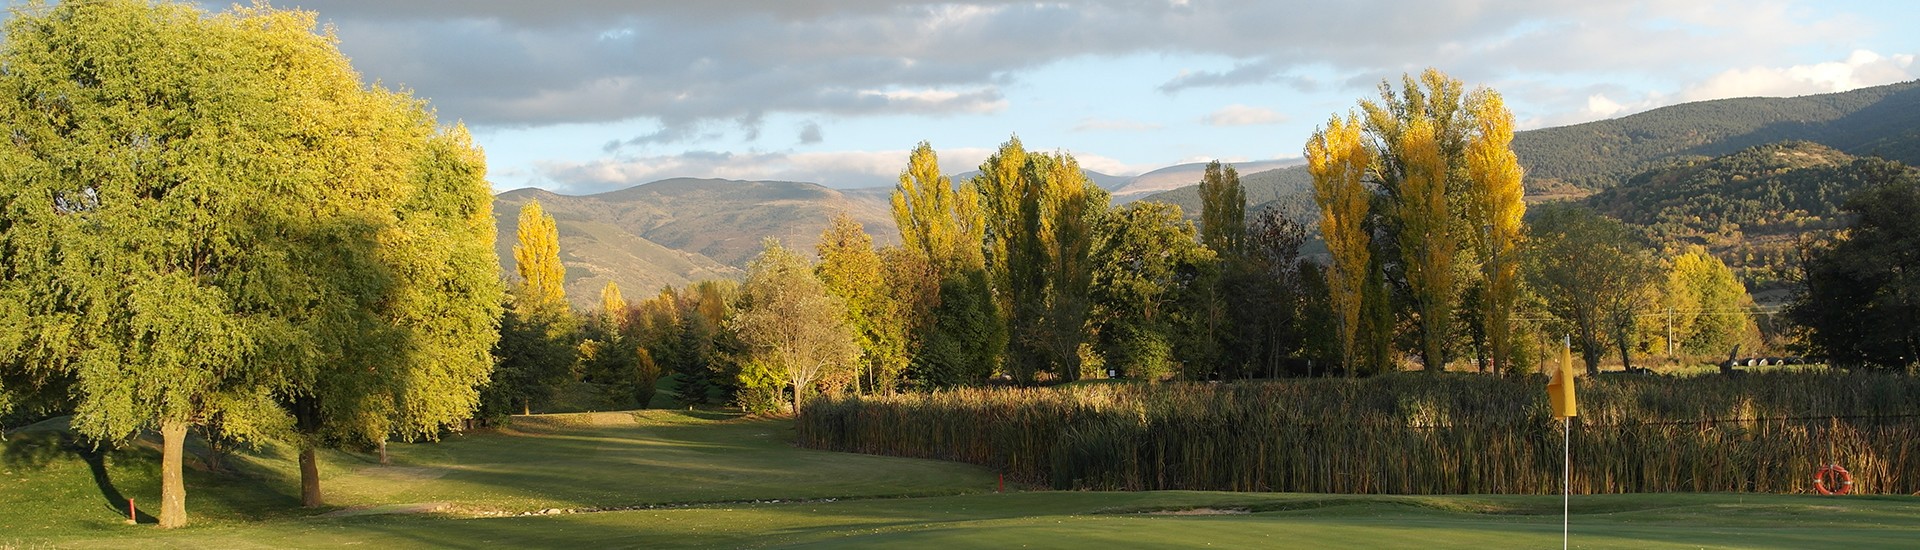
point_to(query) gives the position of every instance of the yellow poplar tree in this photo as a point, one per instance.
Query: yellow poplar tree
(1338, 159)
(1494, 173)
(1427, 238)
(960, 332)
(536, 254)
(613, 307)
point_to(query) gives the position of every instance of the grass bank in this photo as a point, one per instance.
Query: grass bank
(713, 481)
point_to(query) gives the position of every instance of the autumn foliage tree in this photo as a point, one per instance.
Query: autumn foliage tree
(1338, 159)
(1439, 168)
(537, 346)
(1495, 200)
(1040, 210)
(960, 331)
(536, 258)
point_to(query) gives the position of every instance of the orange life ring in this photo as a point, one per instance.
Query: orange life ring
(1843, 483)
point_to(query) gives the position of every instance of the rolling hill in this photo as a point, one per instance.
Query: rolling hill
(677, 231)
(1185, 175)
(1749, 208)
(673, 232)
(1574, 161)
(1882, 121)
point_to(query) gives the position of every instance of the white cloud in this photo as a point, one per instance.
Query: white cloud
(1243, 115)
(1114, 125)
(981, 101)
(1108, 165)
(1860, 69)
(837, 169)
(1599, 104)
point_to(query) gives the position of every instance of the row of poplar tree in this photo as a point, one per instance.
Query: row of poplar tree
(1026, 274)
(1431, 252)
(1035, 280)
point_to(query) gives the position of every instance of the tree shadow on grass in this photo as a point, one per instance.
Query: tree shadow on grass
(38, 449)
(131, 470)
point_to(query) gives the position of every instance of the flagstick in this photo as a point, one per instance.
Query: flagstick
(1566, 477)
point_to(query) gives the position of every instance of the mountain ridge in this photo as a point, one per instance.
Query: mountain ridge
(679, 230)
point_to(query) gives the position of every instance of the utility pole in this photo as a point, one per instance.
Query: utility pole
(1670, 357)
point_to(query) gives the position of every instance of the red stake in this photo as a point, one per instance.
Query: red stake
(132, 515)
(1003, 484)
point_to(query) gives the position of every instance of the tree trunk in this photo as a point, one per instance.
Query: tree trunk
(526, 406)
(796, 399)
(383, 452)
(1626, 356)
(309, 477)
(173, 487)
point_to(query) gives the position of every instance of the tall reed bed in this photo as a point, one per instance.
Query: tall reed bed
(1406, 434)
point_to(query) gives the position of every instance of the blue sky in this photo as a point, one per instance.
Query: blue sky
(596, 95)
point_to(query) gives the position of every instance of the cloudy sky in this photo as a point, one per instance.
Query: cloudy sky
(582, 96)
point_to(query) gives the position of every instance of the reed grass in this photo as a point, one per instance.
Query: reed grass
(1406, 433)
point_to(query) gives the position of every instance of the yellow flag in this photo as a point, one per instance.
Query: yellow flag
(1560, 386)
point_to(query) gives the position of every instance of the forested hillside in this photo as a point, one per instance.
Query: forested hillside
(1882, 121)
(1570, 161)
(1749, 208)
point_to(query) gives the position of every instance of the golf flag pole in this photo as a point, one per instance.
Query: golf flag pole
(1560, 396)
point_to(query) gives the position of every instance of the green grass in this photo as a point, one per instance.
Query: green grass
(707, 470)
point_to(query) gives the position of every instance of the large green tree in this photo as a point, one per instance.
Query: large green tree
(792, 327)
(1593, 274)
(851, 269)
(211, 221)
(1222, 303)
(1146, 265)
(1223, 210)
(1861, 302)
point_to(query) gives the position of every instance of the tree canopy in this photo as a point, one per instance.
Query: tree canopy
(211, 221)
(1861, 302)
